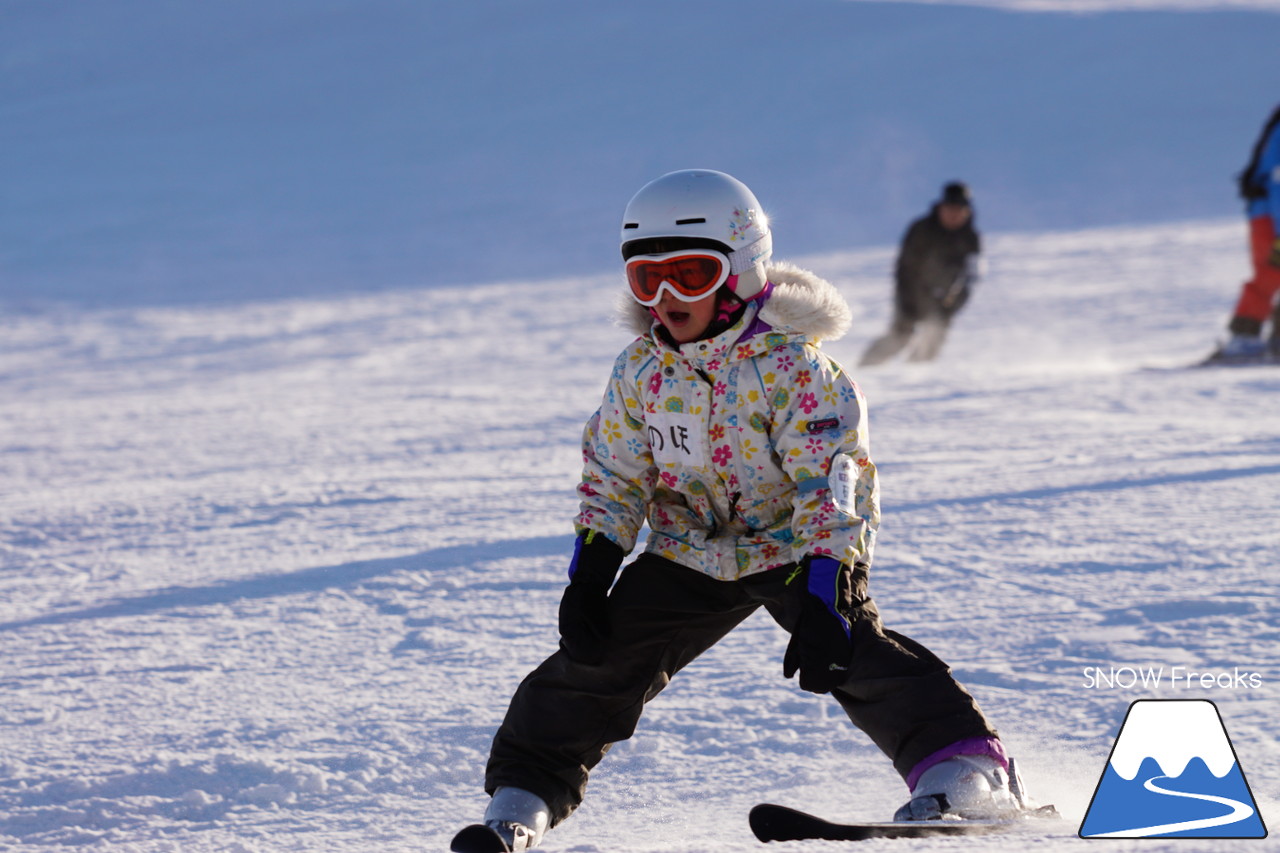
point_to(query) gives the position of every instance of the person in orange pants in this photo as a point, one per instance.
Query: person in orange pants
(1260, 187)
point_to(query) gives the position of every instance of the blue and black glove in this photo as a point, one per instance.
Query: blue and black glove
(584, 607)
(821, 646)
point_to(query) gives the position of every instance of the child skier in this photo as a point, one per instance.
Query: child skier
(746, 450)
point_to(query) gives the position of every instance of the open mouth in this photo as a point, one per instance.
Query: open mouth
(679, 318)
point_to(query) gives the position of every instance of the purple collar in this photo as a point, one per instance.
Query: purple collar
(758, 326)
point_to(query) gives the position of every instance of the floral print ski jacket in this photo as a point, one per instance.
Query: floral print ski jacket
(744, 452)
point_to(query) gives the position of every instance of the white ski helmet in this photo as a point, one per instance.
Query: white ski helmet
(701, 209)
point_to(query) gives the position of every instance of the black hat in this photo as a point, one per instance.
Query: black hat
(956, 192)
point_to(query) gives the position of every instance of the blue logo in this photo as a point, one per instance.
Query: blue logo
(1173, 774)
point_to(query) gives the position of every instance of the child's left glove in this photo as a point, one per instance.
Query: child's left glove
(821, 646)
(584, 607)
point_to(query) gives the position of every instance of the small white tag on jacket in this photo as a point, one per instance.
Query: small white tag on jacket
(844, 474)
(676, 439)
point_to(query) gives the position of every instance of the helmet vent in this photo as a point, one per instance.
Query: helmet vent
(700, 220)
(631, 225)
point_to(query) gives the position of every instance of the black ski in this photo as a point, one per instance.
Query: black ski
(1219, 360)
(478, 838)
(779, 823)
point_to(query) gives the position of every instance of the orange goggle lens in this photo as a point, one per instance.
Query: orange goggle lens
(689, 275)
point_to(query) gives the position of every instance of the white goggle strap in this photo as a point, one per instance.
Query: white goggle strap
(741, 260)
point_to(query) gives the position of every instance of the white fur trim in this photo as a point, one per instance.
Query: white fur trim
(633, 316)
(804, 303)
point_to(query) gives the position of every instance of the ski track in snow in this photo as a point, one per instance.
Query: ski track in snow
(270, 572)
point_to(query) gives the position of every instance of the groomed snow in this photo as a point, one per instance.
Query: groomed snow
(303, 307)
(272, 570)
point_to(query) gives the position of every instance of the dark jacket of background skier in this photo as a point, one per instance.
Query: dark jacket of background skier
(933, 272)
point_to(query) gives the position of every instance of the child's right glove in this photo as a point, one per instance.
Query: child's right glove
(821, 646)
(584, 607)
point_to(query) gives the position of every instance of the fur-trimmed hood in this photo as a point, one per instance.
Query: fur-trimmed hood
(800, 303)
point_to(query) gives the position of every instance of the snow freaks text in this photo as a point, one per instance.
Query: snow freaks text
(1176, 677)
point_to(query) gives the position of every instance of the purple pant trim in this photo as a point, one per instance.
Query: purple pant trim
(988, 746)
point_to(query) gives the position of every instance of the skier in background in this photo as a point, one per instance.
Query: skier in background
(1260, 188)
(937, 266)
(745, 448)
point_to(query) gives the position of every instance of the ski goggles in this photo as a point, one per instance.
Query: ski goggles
(689, 275)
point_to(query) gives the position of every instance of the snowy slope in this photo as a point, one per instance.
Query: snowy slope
(271, 571)
(285, 505)
(158, 151)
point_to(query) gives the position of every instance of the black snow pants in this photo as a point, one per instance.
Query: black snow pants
(565, 715)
